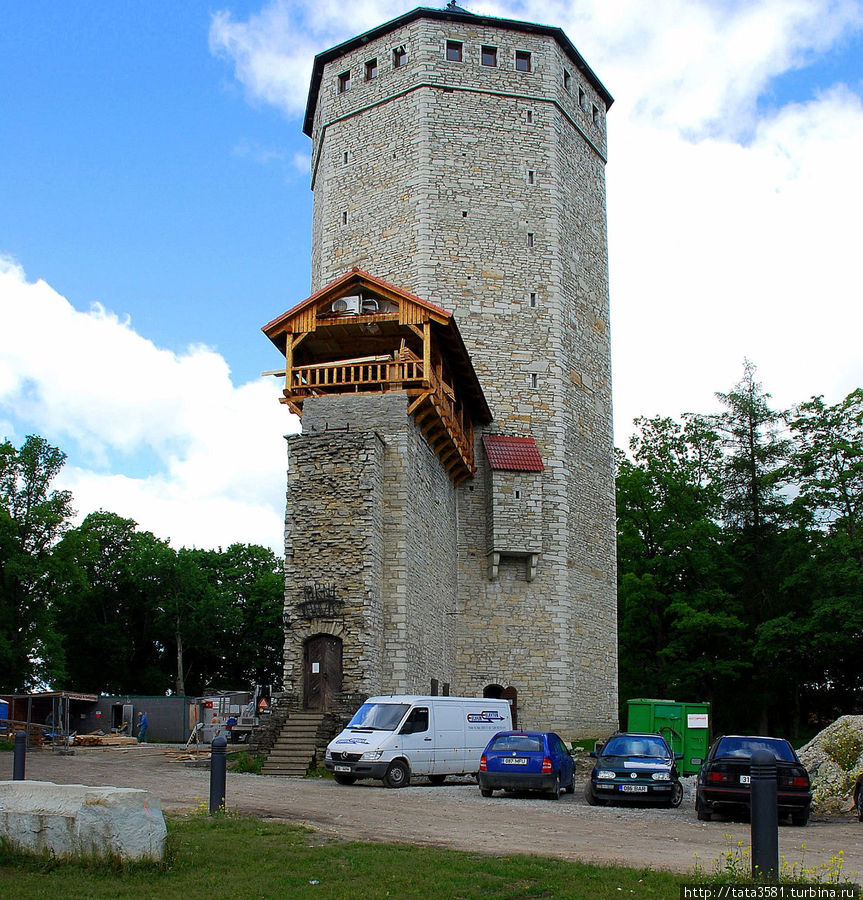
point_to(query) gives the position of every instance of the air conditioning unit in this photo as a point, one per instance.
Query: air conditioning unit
(347, 305)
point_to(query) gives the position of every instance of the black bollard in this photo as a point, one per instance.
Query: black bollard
(20, 756)
(765, 816)
(218, 768)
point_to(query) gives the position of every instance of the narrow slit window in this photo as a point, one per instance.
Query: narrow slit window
(567, 80)
(532, 299)
(489, 56)
(534, 379)
(522, 61)
(581, 98)
(528, 116)
(345, 217)
(517, 494)
(530, 239)
(344, 82)
(372, 69)
(596, 116)
(400, 56)
(345, 157)
(531, 176)
(454, 51)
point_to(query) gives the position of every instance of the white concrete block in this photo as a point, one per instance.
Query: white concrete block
(75, 820)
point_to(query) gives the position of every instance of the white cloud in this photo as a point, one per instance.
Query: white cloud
(103, 393)
(733, 231)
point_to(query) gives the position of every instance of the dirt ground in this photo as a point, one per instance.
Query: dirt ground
(453, 815)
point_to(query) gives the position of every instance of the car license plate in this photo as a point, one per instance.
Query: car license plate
(744, 779)
(634, 788)
(514, 761)
(341, 768)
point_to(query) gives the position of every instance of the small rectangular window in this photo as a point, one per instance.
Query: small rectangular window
(345, 217)
(528, 117)
(517, 491)
(532, 300)
(582, 100)
(567, 80)
(454, 51)
(534, 380)
(344, 82)
(400, 56)
(530, 239)
(531, 176)
(345, 158)
(596, 117)
(522, 61)
(489, 56)
(372, 69)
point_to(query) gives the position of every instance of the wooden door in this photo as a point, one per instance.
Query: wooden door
(322, 666)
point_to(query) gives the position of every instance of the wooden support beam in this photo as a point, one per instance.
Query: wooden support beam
(418, 402)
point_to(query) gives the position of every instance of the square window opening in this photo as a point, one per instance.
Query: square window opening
(400, 56)
(454, 51)
(489, 56)
(372, 69)
(522, 61)
(344, 82)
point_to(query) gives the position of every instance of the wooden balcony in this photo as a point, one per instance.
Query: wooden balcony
(444, 424)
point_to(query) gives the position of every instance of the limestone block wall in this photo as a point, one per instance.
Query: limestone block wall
(481, 189)
(371, 511)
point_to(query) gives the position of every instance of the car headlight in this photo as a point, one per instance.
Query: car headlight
(661, 776)
(605, 773)
(328, 754)
(372, 754)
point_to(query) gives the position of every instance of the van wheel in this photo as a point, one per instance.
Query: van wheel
(437, 779)
(344, 779)
(398, 775)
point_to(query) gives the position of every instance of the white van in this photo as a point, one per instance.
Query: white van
(392, 738)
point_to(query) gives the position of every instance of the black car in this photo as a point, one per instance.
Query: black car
(723, 782)
(633, 766)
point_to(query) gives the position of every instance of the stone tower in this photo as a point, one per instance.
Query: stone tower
(458, 166)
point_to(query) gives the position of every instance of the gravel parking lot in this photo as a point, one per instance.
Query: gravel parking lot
(453, 815)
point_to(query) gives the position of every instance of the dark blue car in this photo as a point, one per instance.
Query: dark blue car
(526, 761)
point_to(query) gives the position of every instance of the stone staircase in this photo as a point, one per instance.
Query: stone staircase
(295, 746)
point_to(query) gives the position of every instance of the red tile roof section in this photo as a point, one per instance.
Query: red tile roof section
(516, 454)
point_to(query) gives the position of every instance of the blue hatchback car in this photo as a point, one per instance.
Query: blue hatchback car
(526, 761)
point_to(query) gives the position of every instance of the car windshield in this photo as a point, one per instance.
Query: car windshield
(525, 743)
(379, 716)
(744, 747)
(642, 745)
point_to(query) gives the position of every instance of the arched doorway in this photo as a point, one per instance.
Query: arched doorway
(499, 692)
(322, 671)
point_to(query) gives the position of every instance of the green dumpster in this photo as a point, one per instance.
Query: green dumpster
(686, 727)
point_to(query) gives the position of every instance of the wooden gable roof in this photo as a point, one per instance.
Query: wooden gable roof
(404, 309)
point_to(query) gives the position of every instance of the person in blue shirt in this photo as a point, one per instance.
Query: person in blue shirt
(142, 727)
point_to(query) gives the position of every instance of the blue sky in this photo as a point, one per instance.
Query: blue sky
(155, 212)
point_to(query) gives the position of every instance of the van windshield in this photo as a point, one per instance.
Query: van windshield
(379, 716)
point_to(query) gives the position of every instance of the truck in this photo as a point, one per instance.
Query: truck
(393, 738)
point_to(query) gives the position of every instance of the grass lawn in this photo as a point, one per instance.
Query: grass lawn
(239, 858)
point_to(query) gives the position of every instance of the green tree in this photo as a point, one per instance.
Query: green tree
(110, 579)
(679, 633)
(32, 518)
